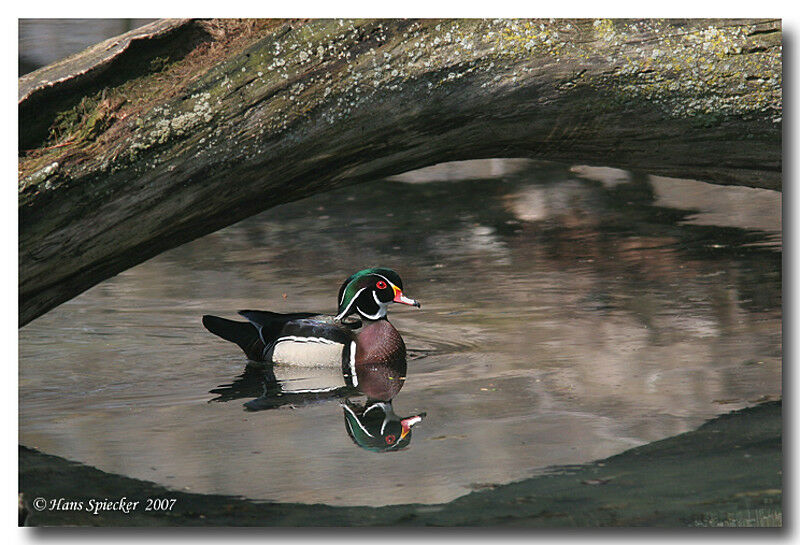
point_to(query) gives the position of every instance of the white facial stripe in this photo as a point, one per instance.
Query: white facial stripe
(353, 363)
(344, 291)
(347, 309)
(377, 406)
(381, 305)
(385, 421)
(381, 312)
(348, 409)
(381, 309)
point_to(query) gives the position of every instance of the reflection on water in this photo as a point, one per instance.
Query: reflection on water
(371, 425)
(374, 426)
(569, 314)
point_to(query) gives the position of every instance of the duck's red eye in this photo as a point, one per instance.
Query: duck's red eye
(389, 438)
(381, 285)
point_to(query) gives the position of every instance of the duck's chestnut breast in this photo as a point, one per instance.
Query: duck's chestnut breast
(380, 360)
(379, 342)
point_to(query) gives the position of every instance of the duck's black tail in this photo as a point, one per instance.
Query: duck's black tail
(244, 334)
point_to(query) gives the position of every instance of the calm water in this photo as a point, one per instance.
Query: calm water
(568, 314)
(43, 41)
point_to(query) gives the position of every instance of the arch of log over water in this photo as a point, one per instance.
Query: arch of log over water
(182, 127)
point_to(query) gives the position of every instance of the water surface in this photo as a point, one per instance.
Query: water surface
(568, 313)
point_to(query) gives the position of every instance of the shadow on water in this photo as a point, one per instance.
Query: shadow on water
(569, 314)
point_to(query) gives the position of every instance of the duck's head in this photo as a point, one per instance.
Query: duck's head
(374, 426)
(369, 293)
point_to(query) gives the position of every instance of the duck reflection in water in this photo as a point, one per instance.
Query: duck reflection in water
(372, 425)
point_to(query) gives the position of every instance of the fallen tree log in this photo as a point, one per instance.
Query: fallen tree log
(178, 129)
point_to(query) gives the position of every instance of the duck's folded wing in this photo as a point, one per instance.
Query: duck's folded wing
(315, 343)
(305, 339)
(315, 330)
(269, 324)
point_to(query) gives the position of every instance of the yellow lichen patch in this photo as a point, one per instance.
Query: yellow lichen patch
(710, 71)
(536, 37)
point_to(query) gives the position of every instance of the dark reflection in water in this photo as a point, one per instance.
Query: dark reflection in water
(269, 393)
(569, 314)
(372, 425)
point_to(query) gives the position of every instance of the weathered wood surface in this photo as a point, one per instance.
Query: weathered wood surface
(91, 60)
(195, 125)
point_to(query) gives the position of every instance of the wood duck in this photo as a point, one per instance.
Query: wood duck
(374, 426)
(369, 351)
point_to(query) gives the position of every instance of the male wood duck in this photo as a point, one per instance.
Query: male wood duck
(375, 426)
(369, 350)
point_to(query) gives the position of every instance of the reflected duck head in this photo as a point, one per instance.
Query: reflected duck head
(374, 426)
(369, 292)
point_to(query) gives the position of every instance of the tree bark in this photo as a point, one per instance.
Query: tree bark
(170, 132)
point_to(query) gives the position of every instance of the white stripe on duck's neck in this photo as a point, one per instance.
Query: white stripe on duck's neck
(367, 315)
(346, 311)
(378, 315)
